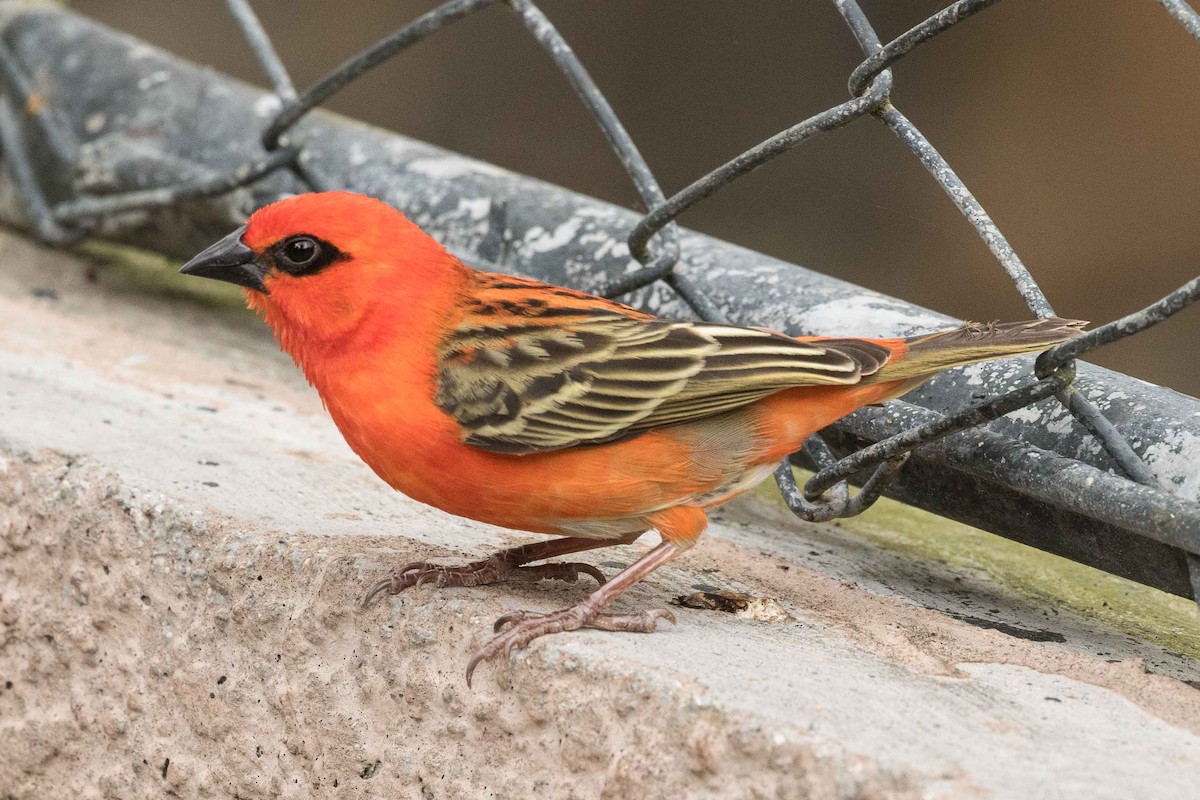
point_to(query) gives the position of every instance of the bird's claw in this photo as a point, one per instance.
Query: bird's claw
(417, 574)
(478, 573)
(518, 629)
(641, 622)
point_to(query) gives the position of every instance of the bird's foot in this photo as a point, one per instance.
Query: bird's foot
(518, 629)
(503, 566)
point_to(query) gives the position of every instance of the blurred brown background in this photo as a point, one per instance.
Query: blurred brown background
(1074, 122)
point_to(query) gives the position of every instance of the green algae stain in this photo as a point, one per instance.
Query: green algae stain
(1148, 614)
(125, 269)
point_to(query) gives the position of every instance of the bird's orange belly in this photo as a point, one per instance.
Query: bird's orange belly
(602, 490)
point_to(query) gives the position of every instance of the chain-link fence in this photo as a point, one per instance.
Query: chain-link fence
(91, 151)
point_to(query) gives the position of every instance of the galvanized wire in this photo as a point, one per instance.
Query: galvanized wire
(654, 240)
(341, 76)
(1185, 15)
(260, 43)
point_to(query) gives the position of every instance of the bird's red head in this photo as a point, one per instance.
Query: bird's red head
(320, 266)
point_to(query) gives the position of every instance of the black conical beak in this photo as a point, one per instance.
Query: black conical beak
(229, 260)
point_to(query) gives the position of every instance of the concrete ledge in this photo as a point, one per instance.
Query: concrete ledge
(184, 539)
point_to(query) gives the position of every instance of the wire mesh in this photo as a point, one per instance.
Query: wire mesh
(654, 241)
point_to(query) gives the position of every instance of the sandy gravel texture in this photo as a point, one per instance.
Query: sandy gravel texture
(184, 539)
(150, 652)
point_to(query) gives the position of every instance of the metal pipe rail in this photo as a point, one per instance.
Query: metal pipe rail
(106, 136)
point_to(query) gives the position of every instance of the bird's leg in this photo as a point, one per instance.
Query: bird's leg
(525, 626)
(506, 565)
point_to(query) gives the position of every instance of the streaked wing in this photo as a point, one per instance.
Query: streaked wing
(527, 371)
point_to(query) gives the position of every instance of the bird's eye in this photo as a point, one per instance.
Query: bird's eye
(299, 252)
(304, 254)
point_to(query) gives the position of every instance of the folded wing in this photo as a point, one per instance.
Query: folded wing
(525, 378)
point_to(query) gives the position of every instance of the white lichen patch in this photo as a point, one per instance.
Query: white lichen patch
(452, 167)
(475, 208)
(974, 374)
(142, 51)
(1030, 415)
(1174, 460)
(867, 315)
(538, 240)
(267, 106)
(153, 79)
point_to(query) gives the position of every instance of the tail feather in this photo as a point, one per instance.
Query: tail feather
(974, 342)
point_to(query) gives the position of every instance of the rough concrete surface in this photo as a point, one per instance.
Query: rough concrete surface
(184, 539)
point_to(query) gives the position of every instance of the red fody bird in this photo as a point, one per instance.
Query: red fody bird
(543, 409)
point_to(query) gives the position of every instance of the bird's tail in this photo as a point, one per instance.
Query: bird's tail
(970, 343)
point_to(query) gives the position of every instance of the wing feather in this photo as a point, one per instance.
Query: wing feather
(521, 375)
